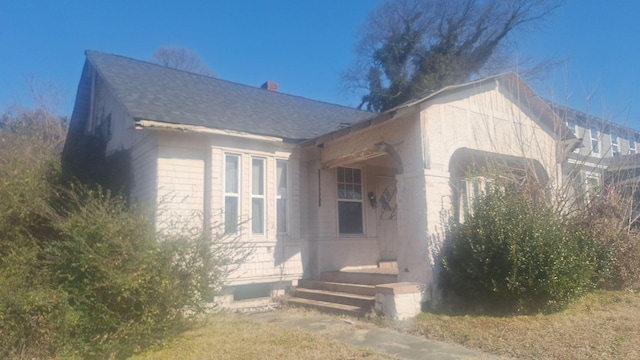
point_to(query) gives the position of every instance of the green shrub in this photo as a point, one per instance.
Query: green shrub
(128, 285)
(82, 274)
(34, 315)
(513, 253)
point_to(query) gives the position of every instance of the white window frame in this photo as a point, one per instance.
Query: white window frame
(351, 200)
(282, 197)
(595, 142)
(258, 196)
(572, 125)
(632, 145)
(227, 194)
(615, 148)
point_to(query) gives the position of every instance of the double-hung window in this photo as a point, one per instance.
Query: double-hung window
(595, 144)
(231, 193)
(632, 145)
(350, 209)
(614, 144)
(257, 196)
(281, 196)
(572, 126)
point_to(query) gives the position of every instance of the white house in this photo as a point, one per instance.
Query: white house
(323, 188)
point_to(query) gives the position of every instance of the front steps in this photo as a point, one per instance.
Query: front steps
(349, 292)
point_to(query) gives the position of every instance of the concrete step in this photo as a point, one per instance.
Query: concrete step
(387, 264)
(357, 289)
(328, 307)
(363, 277)
(361, 301)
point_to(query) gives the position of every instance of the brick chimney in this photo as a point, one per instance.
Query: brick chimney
(270, 85)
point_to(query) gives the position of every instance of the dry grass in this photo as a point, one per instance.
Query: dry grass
(603, 325)
(229, 336)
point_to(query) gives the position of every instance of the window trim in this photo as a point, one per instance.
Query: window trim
(632, 145)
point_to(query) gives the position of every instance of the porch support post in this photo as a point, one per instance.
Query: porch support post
(412, 229)
(424, 203)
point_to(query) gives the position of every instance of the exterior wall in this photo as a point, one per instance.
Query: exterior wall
(180, 183)
(109, 118)
(580, 125)
(487, 119)
(482, 118)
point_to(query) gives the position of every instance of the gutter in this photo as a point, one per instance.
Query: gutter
(141, 124)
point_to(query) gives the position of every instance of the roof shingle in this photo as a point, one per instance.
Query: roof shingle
(153, 92)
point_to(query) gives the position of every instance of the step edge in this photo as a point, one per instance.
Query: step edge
(337, 293)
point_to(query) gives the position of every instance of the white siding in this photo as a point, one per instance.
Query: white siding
(180, 184)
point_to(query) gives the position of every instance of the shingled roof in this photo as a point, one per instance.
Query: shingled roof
(153, 92)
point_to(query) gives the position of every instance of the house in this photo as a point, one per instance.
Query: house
(606, 156)
(317, 188)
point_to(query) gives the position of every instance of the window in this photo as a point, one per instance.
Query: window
(592, 188)
(632, 145)
(469, 191)
(105, 128)
(350, 207)
(595, 146)
(231, 193)
(572, 126)
(614, 144)
(281, 196)
(257, 196)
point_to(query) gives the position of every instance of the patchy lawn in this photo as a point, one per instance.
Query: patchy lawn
(230, 336)
(602, 325)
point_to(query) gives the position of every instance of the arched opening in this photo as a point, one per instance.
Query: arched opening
(473, 171)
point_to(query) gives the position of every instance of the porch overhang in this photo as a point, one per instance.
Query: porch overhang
(379, 149)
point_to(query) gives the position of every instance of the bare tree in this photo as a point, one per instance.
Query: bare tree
(182, 59)
(408, 47)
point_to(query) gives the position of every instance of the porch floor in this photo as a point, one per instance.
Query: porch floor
(381, 271)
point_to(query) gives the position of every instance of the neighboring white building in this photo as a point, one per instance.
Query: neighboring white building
(322, 187)
(606, 156)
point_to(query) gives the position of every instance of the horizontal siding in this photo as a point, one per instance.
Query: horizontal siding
(180, 188)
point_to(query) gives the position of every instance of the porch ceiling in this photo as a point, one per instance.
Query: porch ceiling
(350, 158)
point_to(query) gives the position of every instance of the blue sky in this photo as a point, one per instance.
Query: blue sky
(303, 45)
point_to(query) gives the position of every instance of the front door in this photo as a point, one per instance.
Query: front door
(386, 211)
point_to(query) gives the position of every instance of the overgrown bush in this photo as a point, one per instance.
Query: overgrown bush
(513, 253)
(34, 315)
(82, 273)
(127, 285)
(609, 219)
